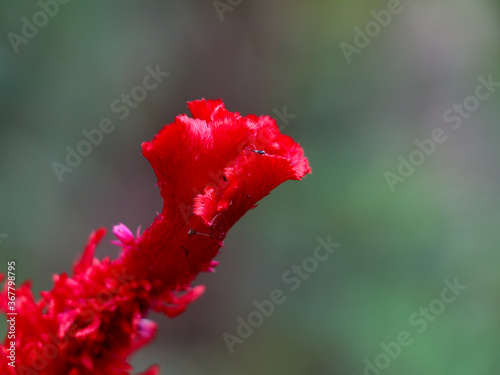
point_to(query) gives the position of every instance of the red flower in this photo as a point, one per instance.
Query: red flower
(211, 169)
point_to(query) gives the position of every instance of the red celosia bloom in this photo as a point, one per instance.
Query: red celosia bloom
(211, 169)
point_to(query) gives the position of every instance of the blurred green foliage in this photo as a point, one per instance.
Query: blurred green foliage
(353, 119)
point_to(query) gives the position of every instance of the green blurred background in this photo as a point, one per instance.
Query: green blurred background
(353, 119)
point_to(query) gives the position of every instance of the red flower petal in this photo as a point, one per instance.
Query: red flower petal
(153, 370)
(249, 181)
(88, 253)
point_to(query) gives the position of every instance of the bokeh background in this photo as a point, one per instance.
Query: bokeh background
(353, 119)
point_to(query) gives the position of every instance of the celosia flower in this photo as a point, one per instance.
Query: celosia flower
(211, 169)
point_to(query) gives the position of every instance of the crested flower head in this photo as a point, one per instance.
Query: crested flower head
(211, 169)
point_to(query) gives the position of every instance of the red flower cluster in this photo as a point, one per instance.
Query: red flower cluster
(211, 169)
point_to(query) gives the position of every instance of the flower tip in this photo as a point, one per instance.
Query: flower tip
(203, 109)
(153, 370)
(211, 266)
(85, 260)
(123, 234)
(147, 328)
(146, 147)
(197, 291)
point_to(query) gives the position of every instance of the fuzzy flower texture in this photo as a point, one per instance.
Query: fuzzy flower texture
(211, 169)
